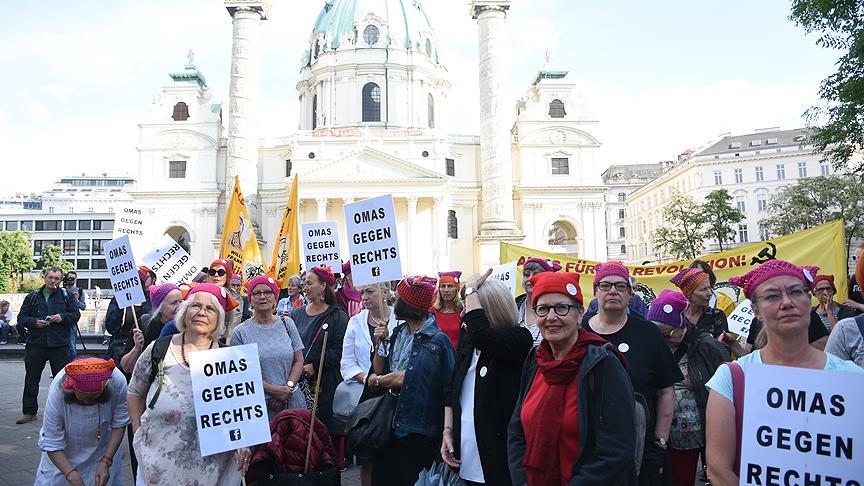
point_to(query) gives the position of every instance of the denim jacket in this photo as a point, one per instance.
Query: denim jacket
(421, 400)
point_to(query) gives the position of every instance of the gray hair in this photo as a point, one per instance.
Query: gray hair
(533, 267)
(180, 318)
(4, 302)
(294, 280)
(497, 301)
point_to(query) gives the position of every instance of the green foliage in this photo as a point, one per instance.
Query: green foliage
(840, 26)
(719, 217)
(16, 256)
(51, 257)
(30, 283)
(681, 235)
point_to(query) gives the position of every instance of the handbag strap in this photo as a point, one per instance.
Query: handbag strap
(317, 333)
(738, 401)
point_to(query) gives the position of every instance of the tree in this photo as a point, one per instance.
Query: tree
(16, 256)
(681, 235)
(51, 257)
(719, 216)
(817, 200)
(840, 24)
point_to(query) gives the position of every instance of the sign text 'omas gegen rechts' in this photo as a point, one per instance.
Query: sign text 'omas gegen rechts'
(372, 241)
(123, 273)
(170, 262)
(321, 245)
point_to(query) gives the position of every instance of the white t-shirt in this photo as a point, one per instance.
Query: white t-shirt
(471, 469)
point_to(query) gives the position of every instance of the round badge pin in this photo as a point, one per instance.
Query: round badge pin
(623, 347)
(571, 289)
(807, 274)
(667, 309)
(483, 372)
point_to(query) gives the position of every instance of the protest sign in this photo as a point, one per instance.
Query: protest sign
(741, 318)
(321, 246)
(129, 220)
(372, 241)
(171, 262)
(123, 273)
(230, 408)
(802, 426)
(507, 274)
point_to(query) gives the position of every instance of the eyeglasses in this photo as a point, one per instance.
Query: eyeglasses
(797, 292)
(619, 286)
(560, 309)
(208, 309)
(822, 289)
(264, 294)
(217, 273)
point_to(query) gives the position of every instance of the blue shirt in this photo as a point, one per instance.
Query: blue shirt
(170, 329)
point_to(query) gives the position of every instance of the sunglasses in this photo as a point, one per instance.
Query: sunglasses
(217, 273)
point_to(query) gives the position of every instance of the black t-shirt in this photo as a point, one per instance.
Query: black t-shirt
(650, 364)
(855, 291)
(815, 331)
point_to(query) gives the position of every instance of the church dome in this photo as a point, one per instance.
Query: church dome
(395, 24)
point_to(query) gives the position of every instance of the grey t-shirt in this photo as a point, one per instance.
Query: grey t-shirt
(276, 348)
(845, 342)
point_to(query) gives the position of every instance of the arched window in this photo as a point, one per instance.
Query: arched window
(431, 111)
(371, 103)
(181, 112)
(624, 249)
(556, 109)
(429, 47)
(314, 112)
(452, 225)
(371, 34)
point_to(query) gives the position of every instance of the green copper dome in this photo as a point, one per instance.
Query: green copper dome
(406, 21)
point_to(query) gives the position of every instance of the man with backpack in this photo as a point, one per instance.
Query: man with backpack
(48, 313)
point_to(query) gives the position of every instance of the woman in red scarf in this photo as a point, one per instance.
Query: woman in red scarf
(574, 421)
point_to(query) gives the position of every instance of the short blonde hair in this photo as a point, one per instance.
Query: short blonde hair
(180, 317)
(497, 301)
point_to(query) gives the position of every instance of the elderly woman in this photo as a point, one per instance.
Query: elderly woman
(166, 436)
(780, 294)
(828, 310)
(219, 273)
(294, 298)
(570, 385)
(695, 284)
(447, 306)
(416, 361)
(347, 296)
(485, 383)
(310, 319)
(280, 349)
(698, 355)
(83, 425)
(525, 313)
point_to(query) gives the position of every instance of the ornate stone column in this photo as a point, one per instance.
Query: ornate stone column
(322, 204)
(242, 157)
(409, 237)
(439, 232)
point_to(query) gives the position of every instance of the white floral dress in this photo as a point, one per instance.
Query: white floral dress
(166, 444)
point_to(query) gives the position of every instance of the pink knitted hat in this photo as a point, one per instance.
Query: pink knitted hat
(603, 270)
(453, 278)
(751, 280)
(159, 292)
(667, 308)
(220, 293)
(346, 268)
(263, 280)
(547, 265)
(88, 375)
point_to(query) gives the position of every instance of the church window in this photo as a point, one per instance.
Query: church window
(288, 167)
(311, 155)
(317, 49)
(622, 197)
(624, 249)
(556, 109)
(177, 169)
(560, 166)
(621, 232)
(450, 166)
(371, 35)
(431, 109)
(181, 112)
(452, 225)
(371, 103)
(314, 112)
(425, 154)
(429, 47)
(620, 214)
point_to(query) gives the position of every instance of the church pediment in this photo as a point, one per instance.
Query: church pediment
(371, 165)
(558, 136)
(180, 139)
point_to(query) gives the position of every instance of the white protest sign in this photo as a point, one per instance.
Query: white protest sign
(321, 246)
(123, 272)
(507, 274)
(171, 262)
(130, 220)
(372, 241)
(230, 408)
(741, 318)
(802, 426)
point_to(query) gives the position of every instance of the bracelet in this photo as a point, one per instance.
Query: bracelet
(70, 472)
(107, 460)
(377, 381)
(449, 428)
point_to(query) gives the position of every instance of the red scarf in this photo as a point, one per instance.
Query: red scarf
(541, 443)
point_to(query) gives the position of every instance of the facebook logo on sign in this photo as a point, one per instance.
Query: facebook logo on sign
(376, 271)
(234, 435)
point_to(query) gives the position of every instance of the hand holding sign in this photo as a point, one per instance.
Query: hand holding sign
(125, 281)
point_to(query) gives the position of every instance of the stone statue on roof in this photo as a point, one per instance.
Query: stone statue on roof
(191, 57)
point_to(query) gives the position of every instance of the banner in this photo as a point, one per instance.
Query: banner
(230, 408)
(372, 241)
(170, 262)
(123, 272)
(823, 246)
(239, 243)
(802, 426)
(286, 253)
(321, 246)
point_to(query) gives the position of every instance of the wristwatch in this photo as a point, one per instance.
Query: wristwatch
(469, 291)
(661, 441)
(290, 384)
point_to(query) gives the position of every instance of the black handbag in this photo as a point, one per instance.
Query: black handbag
(372, 422)
(327, 477)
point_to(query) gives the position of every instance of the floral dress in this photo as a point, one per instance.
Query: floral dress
(166, 444)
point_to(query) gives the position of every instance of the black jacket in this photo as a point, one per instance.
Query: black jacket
(713, 322)
(35, 308)
(119, 323)
(337, 323)
(704, 355)
(496, 388)
(607, 422)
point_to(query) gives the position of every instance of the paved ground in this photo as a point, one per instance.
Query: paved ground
(19, 454)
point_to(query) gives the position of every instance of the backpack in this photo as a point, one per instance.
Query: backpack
(157, 355)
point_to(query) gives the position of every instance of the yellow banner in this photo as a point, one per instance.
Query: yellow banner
(286, 251)
(239, 243)
(823, 246)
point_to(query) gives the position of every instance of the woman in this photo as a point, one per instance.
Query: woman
(83, 426)
(485, 384)
(416, 361)
(166, 436)
(294, 298)
(166, 299)
(569, 384)
(219, 273)
(280, 349)
(526, 316)
(310, 319)
(695, 284)
(780, 294)
(447, 307)
(828, 310)
(698, 355)
(347, 296)
(5, 320)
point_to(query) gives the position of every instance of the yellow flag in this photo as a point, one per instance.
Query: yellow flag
(286, 251)
(239, 243)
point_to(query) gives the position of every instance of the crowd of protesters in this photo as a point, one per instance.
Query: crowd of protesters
(501, 391)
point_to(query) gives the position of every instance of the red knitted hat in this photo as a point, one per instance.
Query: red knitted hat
(418, 291)
(325, 274)
(228, 266)
(88, 375)
(688, 279)
(751, 280)
(453, 278)
(556, 283)
(823, 278)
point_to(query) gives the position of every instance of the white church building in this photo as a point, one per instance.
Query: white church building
(371, 90)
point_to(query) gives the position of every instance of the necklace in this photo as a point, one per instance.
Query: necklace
(376, 321)
(183, 348)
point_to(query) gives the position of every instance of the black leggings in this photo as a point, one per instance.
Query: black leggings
(401, 459)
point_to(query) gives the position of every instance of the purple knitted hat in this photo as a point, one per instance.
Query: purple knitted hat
(159, 292)
(667, 308)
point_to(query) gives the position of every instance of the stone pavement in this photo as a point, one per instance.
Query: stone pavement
(19, 453)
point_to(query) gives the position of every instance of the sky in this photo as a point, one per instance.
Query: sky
(661, 77)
